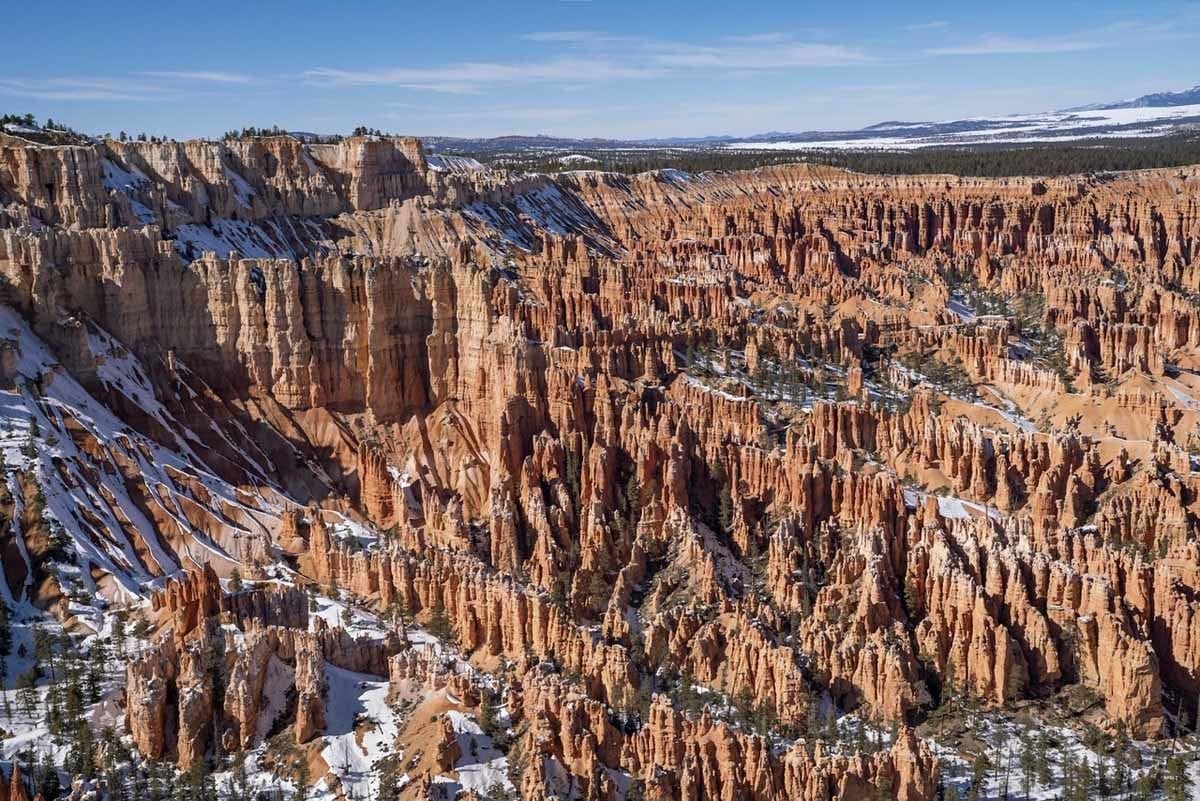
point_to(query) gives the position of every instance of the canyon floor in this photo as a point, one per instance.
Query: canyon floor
(342, 471)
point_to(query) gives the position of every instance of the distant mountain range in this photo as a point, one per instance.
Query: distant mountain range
(1155, 114)
(1185, 97)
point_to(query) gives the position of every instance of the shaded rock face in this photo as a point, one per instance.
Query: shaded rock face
(753, 430)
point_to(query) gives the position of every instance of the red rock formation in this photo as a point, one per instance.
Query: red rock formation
(678, 757)
(592, 421)
(16, 785)
(262, 627)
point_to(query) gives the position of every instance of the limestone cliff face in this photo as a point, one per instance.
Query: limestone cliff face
(176, 183)
(373, 172)
(59, 186)
(756, 432)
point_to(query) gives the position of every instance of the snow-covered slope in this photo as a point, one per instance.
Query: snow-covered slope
(1055, 126)
(108, 488)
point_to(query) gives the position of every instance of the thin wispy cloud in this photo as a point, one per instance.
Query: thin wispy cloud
(137, 87)
(530, 113)
(782, 55)
(590, 57)
(571, 37)
(734, 110)
(932, 25)
(142, 86)
(587, 39)
(470, 77)
(1181, 26)
(1114, 35)
(584, 57)
(199, 75)
(995, 44)
(65, 89)
(761, 38)
(740, 52)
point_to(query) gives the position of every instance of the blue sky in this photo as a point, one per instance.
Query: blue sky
(579, 67)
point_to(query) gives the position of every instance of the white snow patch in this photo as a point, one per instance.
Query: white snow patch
(280, 678)
(481, 766)
(1055, 126)
(454, 164)
(357, 699)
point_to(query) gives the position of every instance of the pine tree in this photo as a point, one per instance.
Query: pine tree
(5, 639)
(1069, 775)
(5, 650)
(1027, 762)
(301, 779)
(159, 782)
(573, 471)
(487, 715)
(1079, 781)
(239, 780)
(389, 771)
(118, 632)
(724, 501)
(831, 727)
(27, 696)
(633, 498)
(98, 659)
(1042, 758)
(217, 673)
(398, 609)
(950, 697)
(979, 771)
(1102, 779)
(73, 702)
(1143, 787)
(45, 778)
(1007, 762)
(439, 624)
(43, 649)
(197, 784)
(81, 759)
(52, 717)
(1122, 778)
(884, 789)
(1177, 784)
(859, 735)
